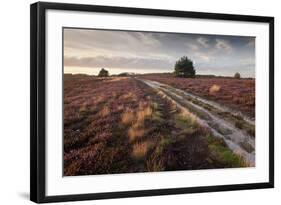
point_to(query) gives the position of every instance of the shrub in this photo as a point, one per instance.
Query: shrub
(237, 75)
(184, 67)
(103, 73)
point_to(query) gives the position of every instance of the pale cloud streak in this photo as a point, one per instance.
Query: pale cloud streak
(223, 45)
(203, 41)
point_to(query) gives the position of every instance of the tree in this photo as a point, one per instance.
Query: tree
(184, 67)
(103, 73)
(237, 75)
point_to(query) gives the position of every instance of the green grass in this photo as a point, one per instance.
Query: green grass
(242, 124)
(163, 143)
(183, 122)
(154, 164)
(239, 124)
(157, 117)
(223, 153)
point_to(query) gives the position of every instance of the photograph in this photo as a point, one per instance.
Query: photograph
(136, 102)
(143, 101)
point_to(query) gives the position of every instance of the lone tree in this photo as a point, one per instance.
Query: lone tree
(237, 75)
(184, 68)
(103, 73)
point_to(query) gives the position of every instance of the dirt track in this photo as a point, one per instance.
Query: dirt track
(209, 115)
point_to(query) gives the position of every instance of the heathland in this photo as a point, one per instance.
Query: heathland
(157, 122)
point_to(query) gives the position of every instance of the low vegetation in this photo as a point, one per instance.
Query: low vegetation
(120, 125)
(238, 94)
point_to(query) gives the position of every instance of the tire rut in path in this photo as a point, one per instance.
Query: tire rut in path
(178, 152)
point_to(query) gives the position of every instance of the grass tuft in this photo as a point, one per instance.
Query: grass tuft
(135, 132)
(140, 149)
(127, 117)
(223, 153)
(104, 112)
(214, 88)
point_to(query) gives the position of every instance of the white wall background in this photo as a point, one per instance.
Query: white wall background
(14, 101)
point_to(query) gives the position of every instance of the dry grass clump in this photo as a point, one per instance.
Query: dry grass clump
(120, 107)
(137, 120)
(83, 108)
(104, 112)
(144, 113)
(188, 115)
(154, 164)
(129, 95)
(140, 149)
(113, 79)
(127, 117)
(214, 88)
(135, 132)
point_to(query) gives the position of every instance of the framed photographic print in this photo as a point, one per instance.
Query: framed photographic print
(129, 102)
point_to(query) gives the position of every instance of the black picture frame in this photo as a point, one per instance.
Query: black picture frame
(38, 100)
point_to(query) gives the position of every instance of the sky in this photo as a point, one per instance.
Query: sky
(89, 50)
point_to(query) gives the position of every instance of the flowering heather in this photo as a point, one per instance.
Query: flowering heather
(92, 111)
(121, 125)
(238, 94)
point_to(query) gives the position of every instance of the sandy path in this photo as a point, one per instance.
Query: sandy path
(236, 139)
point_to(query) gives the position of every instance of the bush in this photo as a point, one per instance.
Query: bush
(103, 73)
(184, 67)
(237, 75)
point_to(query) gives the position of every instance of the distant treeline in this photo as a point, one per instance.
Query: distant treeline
(127, 74)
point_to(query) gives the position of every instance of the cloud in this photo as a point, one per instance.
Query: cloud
(103, 42)
(203, 42)
(223, 46)
(203, 57)
(192, 47)
(151, 50)
(147, 39)
(118, 62)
